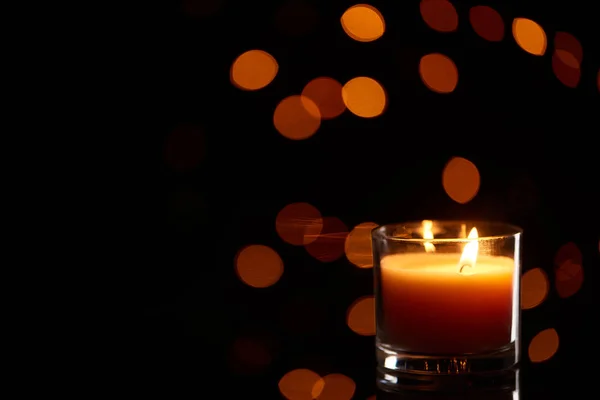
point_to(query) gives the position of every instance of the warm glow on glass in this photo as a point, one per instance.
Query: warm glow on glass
(530, 36)
(428, 234)
(363, 23)
(487, 23)
(253, 70)
(439, 15)
(364, 97)
(438, 72)
(543, 345)
(297, 117)
(461, 180)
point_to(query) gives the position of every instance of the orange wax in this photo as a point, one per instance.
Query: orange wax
(431, 308)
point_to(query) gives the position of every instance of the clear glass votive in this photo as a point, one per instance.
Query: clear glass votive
(447, 299)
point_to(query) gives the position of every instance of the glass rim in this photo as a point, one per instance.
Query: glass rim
(508, 230)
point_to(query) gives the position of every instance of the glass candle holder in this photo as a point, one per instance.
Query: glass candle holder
(447, 298)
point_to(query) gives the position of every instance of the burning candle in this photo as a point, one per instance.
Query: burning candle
(441, 296)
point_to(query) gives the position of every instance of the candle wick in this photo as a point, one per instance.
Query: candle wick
(465, 268)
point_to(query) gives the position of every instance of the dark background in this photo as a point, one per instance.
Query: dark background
(532, 139)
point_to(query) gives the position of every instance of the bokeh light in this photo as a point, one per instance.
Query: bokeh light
(296, 18)
(543, 345)
(487, 23)
(438, 72)
(364, 97)
(328, 245)
(461, 180)
(567, 58)
(297, 117)
(253, 70)
(530, 36)
(568, 272)
(361, 316)
(326, 93)
(334, 387)
(249, 355)
(565, 73)
(299, 224)
(363, 23)
(439, 15)
(258, 266)
(359, 247)
(534, 288)
(569, 44)
(299, 384)
(184, 148)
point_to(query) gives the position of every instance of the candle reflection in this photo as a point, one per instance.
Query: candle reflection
(479, 395)
(476, 388)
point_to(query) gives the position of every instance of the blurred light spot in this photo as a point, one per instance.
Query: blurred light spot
(374, 397)
(598, 79)
(297, 117)
(534, 288)
(328, 245)
(530, 36)
(440, 15)
(326, 93)
(461, 180)
(568, 278)
(364, 97)
(298, 384)
(361, 316)
(565, 72)
(363, 23)
(543, 346)
(334, 387)
(253, 70)
(568, 272)
(438, 73)
(568, 252)
(258, 266)
(299, 224)
(358, 246)
(201, 8)
(184, 148)
(249, 355)
(296, 18)
(487, 23)
(569, 44)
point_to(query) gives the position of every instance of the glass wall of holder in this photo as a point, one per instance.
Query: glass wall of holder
(447, 303)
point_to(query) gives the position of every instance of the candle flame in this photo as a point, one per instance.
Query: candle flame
(468, 258)
(428, 234)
